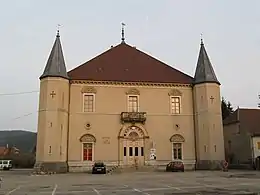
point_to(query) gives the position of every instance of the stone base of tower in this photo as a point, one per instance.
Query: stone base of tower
(51, 167)
(209, 165)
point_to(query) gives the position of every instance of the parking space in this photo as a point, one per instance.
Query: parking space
(147, 183)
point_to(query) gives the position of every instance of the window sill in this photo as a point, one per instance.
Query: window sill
(173, 114)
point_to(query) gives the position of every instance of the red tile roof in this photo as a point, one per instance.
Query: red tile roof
(249, 119)
(6, 151)
(127, 64)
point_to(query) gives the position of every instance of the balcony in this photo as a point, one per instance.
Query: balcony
(133, 117)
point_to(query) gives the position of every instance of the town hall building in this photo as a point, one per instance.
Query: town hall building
(126, 108)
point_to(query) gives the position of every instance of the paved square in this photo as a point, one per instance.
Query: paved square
(20, 182)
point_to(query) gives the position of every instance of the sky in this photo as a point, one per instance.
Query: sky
(169, 30)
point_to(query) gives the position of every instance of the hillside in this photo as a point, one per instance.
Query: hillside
(24, 140)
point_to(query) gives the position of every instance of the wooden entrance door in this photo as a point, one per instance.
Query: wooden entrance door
(134, 152)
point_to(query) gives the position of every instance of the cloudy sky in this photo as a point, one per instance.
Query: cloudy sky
(167, 29)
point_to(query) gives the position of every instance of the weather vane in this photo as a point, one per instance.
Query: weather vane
(201, 38)
(58, 29)
(123, 32)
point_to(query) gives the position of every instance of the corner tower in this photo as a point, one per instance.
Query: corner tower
(51, 151)
(208, 116)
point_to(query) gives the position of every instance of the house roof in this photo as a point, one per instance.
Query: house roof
(55, 66)
(127, 64)
(204, 70)
(2, 151)
(249, 119)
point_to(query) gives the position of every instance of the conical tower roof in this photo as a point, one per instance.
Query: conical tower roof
(204, 70)
(55, 66)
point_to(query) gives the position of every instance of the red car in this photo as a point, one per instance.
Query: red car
(176, 165)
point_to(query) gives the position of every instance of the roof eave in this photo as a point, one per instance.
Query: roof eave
(57, 76)
(202, 82)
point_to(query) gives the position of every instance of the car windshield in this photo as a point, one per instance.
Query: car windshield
(99, 164)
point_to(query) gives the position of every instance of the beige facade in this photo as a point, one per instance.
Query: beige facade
(128, 124)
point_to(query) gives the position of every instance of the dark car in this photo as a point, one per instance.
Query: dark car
(176, 165)
(99, 167)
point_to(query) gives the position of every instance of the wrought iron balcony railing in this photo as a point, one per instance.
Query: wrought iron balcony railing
(133, 117)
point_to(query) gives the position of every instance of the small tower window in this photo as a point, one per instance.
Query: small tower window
(205, 148)
(49, 149)
(215, 148)
(211, 99)
(62, 100)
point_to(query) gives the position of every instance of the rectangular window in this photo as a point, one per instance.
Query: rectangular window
(142, 151)
(215, 148)
(177, 151)
(88, 103)
(258, 145)
(130, 151)
(124, 151)
(133, 104)
(175, 105)
(49, 149)
(87, 151)
(136, 151)
(62, 100)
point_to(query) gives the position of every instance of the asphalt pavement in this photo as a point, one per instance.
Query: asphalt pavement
(21, 182)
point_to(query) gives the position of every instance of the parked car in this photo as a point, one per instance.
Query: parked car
(176, 165)
(99, 167)
(6, 164)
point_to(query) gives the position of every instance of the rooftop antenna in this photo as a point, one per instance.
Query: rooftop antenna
(123, 32)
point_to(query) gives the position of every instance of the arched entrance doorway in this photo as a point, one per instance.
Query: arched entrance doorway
(132, 144)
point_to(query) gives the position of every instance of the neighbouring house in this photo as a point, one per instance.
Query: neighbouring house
(8, 151)
(242, 136)
(127, 108)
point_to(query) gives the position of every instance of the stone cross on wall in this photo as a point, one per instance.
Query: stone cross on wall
(52, 94)
(212, 99)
